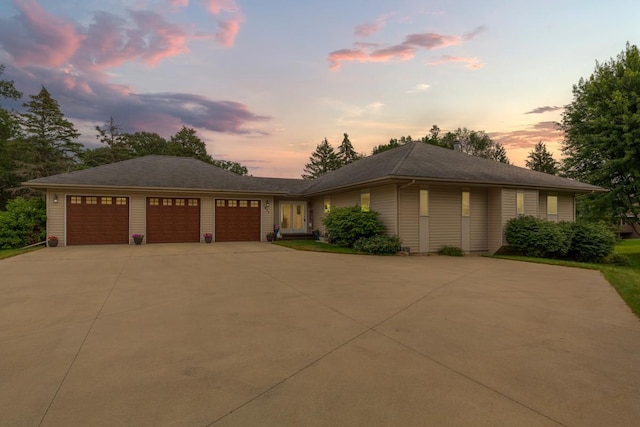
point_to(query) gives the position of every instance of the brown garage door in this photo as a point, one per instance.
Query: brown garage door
(173, 220)
(237, 220)
(97, 220)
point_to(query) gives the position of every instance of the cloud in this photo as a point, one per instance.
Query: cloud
(545, 109)
(350, 110)
(472, 63)
(420, 87)
(546, 131)
(37, 38)
(403, 51)
(228, 27)
(227, 32)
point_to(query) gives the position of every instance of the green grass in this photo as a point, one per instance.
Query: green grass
(315, 246)
(625, 280)
(8, 253)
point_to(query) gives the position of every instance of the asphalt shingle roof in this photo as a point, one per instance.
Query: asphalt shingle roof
(415, 160)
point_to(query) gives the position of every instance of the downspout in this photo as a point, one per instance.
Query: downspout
(413, 181)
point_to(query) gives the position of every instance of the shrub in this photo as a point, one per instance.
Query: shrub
(451, 251)
(23, 224)
(618, 259)
(378, 244)
(537, 238)
(345, 226)
(591, 242)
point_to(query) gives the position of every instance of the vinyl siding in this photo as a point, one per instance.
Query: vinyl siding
(531, 202)
(317, 205)
(566, 207)
(206, 216)
(479, 225)
(409, 217)
(384, 201)
(55, 216)
(445, 218)
(494, 220)
(509, 204)
(266, 217)
(137, 215)
(341, 200)
(542, 205)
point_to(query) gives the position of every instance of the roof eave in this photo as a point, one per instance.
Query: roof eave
(44, 186)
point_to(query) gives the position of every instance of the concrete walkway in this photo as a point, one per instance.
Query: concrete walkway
(259, 335)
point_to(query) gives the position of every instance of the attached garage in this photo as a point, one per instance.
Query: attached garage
(173, 220)
(97, 220)
(237, 220)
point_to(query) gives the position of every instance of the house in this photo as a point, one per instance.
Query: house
(429, 196)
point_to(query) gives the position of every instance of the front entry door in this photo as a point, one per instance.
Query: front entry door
(293, 217)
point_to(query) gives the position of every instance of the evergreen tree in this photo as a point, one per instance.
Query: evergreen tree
(116, 146)
(186, 143)
(47, 138)
(321, 161)
(9, 152)
(541, 160)
(346, 153)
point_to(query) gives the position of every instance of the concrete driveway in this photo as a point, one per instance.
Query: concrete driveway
(259, 335)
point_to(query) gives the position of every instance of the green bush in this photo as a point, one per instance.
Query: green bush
(378, 244)
(620, 260)
(451, 251)
(344, 226)
(535, 237)
(590, 242)
(23, 224)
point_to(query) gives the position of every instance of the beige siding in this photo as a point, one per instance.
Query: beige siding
(509, 204)
(384, 201)
(445, 218)
(206, 216)
(566, 209)
(267, 217)
(479, 225)
(531, 202)
(55, 216)
(137, 215)
(341, 200)
(494, 219)
(317, 205)
(409, 217)
(542, 205)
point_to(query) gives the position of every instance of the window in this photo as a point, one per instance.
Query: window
(76, 200)
(92, 200)
(220, 203)
(327, 204)
(154, 201)
(519, 203)
(255, 204)
(193, 202)
(105, 200)
(552, 205)
(244, 203)
(167, 202)
(365, 201)
(424, 202)
(179, 202)
(466, 203)
(121, 200)
(232, 203)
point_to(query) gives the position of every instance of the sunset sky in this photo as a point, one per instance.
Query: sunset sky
(263, 82)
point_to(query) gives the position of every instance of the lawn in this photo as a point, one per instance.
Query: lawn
(625, 280)
(8, 253)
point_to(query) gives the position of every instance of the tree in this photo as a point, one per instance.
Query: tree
(346, 153)
(602, 136)
(8, 150)
(541, 160)
(475, 143)
(321, 161)
(47, 137)
(393, 143)
(186, 143)
(234, 167)
(145, 143)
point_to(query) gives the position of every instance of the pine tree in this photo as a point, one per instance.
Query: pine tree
(48, 138)
(8, 149)
(541, 160)
(321, 161)
(346, 153)
(116, 147)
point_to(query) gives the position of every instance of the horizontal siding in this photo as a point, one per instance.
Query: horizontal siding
(445, 218)
(384, 201)
(479, 225)
(566, 207)
(531, 202)
(318, 213)
(341, 200)
(542, 205)
(138, 215)
(206, 216)
(494, 219)
(55, 216)
(509, 209)
(409, 218)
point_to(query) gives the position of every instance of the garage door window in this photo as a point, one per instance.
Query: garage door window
(121, 200)
(76, 200)
(255, 204)
(105, 200)
(232, 203)
(193, 202)
(179, 202)
(154, 201)
(92, 200)
(244, 203)
(166, 202)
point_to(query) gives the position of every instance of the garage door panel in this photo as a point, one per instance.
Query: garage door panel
(173, 220)
(93, 220)
(237, 220)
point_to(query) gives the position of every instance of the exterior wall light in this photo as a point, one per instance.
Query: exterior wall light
(55, 198)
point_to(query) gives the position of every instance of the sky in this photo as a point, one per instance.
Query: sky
(264, 82)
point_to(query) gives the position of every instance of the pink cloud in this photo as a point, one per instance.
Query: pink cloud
(547, 132)
(403, 51)
(365, 30)
(35, 37)
(217, 6)
(472, 63)
(228, 28)
(227, 32)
